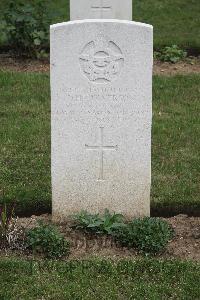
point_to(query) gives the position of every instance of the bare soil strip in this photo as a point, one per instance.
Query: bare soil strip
(184, 245)
(27, 65)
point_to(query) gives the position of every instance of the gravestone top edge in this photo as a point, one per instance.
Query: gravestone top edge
(102, 21)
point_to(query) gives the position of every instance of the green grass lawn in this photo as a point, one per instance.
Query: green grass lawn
(25, 142)
(176, 144)
(99, 279)
(174, 21)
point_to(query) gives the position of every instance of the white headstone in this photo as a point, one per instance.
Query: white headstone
(101, 85)
(101, 9)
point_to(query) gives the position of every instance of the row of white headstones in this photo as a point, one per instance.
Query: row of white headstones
(101, 91)
(101, 9)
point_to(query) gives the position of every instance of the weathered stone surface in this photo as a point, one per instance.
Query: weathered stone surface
(101, 85)
(101, 9)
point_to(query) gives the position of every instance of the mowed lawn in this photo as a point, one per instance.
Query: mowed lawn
(174, 21)
(99, 279)
(25, 143)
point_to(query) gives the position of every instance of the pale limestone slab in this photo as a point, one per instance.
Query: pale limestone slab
(100, 9)
(101, 91)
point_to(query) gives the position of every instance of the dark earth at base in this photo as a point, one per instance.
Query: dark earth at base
(184, 245)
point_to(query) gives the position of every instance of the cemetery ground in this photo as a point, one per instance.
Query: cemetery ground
(100, 268)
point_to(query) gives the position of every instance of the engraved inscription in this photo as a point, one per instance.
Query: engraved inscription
(101, 148)
(101, 60)
(101, 7)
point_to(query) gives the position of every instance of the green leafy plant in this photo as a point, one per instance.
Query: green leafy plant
(149, 235)
(104, 224)
(171, 54)
(27, 27)
(47, 240)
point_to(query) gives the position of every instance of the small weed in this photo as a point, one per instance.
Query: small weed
(99, 224)
(46, 239)
(171, 54)
(149, 235)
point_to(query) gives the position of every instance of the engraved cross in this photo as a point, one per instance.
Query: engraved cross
(101, 148)
(101, 8)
